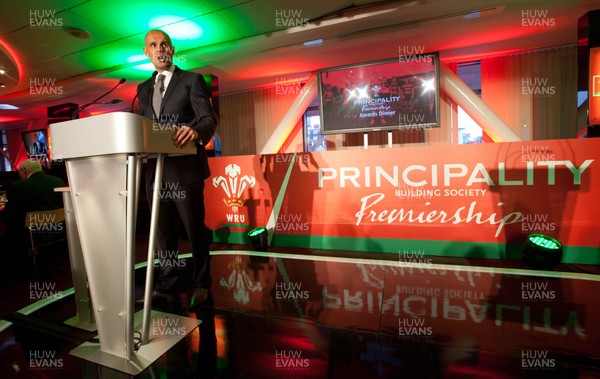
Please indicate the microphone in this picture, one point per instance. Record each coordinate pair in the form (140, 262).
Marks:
(113, 101)
(76, 113)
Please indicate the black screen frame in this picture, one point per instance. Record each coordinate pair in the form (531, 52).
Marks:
(29, 138)
(371, 66)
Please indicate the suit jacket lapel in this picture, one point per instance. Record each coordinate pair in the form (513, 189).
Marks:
(170, 88)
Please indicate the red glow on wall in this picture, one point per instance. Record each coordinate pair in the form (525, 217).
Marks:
(15, 58)
(9, 118)
(594, 90)
(282, 69)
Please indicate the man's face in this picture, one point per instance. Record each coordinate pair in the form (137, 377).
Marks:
(159, 49)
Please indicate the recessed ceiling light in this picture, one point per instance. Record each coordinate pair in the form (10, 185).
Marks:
(2, 72)
(7, 107)
(314, 42)
(2, 85)
(77, 32)
(176, 27)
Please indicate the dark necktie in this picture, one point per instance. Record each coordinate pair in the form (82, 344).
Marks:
(157, 96)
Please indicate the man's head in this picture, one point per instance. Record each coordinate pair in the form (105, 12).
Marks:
(26, 168)
(158, 47)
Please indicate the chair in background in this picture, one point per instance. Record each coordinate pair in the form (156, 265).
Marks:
(47, 234)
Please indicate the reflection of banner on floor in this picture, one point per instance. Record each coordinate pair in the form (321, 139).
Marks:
(446, 200)
(500, 312)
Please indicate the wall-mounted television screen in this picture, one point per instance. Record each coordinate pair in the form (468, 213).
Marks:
(400, 93)
(36, 143)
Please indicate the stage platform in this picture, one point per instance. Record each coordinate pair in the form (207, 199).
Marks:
(294, 313)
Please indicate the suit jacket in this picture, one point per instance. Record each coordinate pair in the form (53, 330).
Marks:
(35, 193)
(186, 102)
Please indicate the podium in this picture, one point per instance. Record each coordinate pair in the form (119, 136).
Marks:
(103, 156)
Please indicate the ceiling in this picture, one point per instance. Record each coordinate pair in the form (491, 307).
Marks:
(58, 51)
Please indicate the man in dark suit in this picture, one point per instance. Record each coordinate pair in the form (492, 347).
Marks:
(178, 102)
(34, 192)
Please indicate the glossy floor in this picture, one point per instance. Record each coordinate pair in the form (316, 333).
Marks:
(285, 315)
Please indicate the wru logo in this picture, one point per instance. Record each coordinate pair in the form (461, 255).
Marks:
(234, 185)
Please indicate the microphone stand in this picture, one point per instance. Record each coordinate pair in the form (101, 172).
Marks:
(133, 102)
(137, 94)
(76, 113)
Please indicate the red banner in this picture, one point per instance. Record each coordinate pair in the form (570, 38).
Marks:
(446, 200)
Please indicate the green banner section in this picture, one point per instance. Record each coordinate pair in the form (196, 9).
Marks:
(571, 254)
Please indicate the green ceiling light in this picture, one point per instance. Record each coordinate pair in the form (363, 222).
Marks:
(176, 27)
(108, 55)
(145, 64)
(542, 252)
(259, 238)
(145, 67)
(137, 58)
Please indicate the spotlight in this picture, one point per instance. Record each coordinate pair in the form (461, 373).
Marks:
(259, 238)
(542, 251)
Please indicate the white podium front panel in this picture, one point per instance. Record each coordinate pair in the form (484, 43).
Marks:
(103, 156)
(112, 133)
(99, 198)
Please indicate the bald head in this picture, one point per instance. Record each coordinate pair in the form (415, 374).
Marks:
(26, 168)
(158, 47)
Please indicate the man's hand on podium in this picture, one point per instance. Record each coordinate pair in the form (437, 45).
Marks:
(184, 135)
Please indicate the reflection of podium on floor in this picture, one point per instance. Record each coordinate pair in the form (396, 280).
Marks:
(103, 156)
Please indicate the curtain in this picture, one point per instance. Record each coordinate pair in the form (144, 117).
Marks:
(534, 93)
(249, 118)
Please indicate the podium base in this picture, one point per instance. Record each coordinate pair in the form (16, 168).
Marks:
(166, 330)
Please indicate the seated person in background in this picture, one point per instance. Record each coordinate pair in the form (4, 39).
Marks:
(34, 192)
